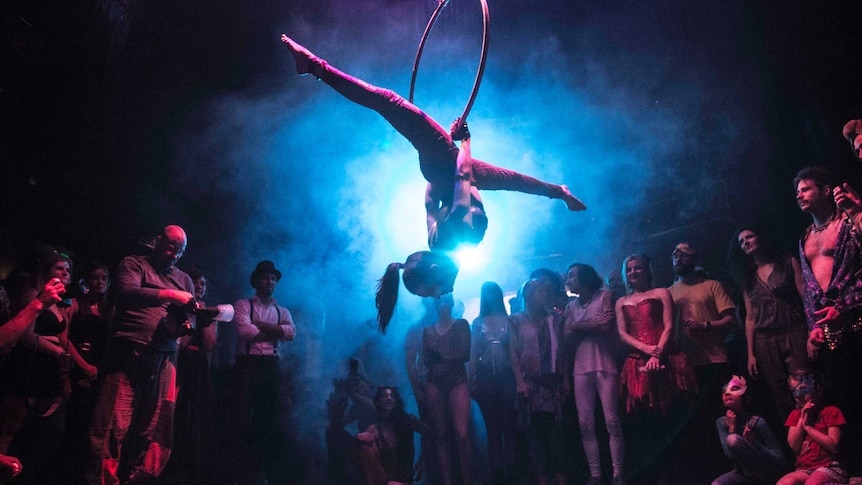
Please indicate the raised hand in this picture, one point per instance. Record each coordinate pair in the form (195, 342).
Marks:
(846, 198)
(459, 130)
(51, 293)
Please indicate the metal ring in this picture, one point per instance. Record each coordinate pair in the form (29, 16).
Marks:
(486, 22)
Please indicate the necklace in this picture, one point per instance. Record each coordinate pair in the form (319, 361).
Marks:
(816, 228)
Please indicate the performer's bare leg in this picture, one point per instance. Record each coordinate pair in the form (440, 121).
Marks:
(425, 134)
(491, 177)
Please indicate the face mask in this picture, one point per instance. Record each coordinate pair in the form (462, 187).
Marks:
(805, 386)
(736, 387)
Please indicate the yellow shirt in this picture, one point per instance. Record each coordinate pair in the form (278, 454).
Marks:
(702, 301)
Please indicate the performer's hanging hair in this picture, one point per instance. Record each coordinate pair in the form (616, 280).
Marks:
(426, 273)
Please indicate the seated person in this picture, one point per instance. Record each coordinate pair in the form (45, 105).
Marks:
(814, 435)
(386, 448)
(747, 440)
(349, 402)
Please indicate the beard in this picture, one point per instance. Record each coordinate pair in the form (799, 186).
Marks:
(683, 270)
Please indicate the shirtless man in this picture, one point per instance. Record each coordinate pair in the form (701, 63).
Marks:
(831, 261)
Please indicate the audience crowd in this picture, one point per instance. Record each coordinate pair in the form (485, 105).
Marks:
(115, 377)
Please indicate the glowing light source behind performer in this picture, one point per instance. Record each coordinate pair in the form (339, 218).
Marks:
(455, 214)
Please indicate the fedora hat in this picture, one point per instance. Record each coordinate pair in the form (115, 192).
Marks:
(263, 267)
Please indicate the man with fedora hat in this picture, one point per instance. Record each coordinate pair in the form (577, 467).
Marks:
(255, 400)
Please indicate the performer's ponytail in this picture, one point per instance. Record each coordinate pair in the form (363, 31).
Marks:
(387, 295)
(425, 274)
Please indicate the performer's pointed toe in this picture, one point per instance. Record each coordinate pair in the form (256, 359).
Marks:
(572, 202)
(306, 62)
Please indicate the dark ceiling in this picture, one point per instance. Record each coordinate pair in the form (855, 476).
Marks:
(99, 102)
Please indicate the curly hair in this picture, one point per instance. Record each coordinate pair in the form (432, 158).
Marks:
(820, 175)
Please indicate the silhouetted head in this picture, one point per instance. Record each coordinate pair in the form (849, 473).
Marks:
(557, 289)
(199, 280)
(582, 278)
(491, 299)
(538, 295)
(614, 282)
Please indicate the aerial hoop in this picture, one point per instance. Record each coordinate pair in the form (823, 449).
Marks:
(486, 21)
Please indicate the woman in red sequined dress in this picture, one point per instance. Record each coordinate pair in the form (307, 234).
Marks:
(654, 373)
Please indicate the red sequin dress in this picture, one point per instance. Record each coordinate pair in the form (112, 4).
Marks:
(655, 389)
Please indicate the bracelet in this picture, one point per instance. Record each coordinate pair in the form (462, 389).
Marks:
(708, 325)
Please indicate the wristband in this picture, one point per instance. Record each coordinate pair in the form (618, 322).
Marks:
(708, 325)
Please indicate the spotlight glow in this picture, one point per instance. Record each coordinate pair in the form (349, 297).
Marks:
(471, 259)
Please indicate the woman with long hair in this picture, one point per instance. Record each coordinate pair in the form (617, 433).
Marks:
(775, 329)
(446, 346)
(89, 331)
(590, 335)
(386, 448)
(91, 322)
(492, 382)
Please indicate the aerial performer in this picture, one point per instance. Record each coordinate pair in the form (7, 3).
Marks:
(454, 211)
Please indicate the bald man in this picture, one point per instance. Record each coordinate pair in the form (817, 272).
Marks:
(133, 423)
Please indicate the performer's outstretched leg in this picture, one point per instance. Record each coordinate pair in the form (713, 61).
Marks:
(490, 177)
(425, 134)
(437, 152)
